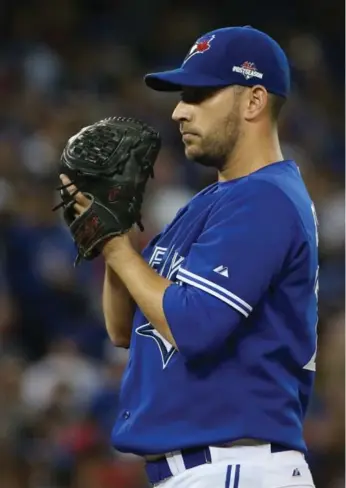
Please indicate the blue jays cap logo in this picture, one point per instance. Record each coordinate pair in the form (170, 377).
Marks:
(201, 46)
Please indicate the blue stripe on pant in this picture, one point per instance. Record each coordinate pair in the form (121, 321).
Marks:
(236, 476)
(228, 476)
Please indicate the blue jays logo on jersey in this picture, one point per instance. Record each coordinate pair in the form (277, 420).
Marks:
(167, 263)
(166, 349)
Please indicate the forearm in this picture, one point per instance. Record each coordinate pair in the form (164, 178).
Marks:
(118, 309)
(146, 287)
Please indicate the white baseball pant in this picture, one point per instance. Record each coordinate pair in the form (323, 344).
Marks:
(242, 467)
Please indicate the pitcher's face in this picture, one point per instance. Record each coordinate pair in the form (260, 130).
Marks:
(210, 124)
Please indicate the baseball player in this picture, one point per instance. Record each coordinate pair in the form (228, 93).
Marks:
(220, 311)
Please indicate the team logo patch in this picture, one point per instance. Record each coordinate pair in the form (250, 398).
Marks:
(166, 349)
(248, 70)
(201, 46)
(167, 264)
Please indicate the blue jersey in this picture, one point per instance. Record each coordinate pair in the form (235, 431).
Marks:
(243, 259)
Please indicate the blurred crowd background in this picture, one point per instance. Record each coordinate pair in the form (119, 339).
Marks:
(65, 64)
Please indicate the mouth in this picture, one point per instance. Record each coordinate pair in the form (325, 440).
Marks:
(188, 134)
(188, 137)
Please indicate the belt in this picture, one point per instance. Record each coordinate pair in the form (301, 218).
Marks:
(160, 470)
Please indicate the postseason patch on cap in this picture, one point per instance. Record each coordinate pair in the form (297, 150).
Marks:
(248, 70)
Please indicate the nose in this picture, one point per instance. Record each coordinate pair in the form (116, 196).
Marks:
(181, 113)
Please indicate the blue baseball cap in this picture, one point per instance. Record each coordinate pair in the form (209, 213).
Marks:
(229, 56)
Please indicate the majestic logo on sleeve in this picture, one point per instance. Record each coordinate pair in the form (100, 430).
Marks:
(166, 263)
(201, 46)
(248, 70)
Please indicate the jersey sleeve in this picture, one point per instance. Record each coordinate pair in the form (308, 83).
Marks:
(230, 267)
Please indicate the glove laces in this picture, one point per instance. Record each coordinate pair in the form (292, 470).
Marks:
(65, 200)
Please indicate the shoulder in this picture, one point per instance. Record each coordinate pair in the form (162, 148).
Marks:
(210, 189)
(257, 194)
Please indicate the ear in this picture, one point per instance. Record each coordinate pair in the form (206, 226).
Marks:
(257, 101)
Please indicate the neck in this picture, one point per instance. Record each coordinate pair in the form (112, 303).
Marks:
(252, 153)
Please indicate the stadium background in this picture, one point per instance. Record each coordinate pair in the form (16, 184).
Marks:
(64, 64)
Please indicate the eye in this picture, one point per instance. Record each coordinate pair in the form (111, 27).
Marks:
(197, 95)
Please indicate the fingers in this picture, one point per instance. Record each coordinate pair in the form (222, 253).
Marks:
(81, 199)
(82, 202)
(78, 208)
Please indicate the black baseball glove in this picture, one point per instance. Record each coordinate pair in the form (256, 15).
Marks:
(110, 163)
